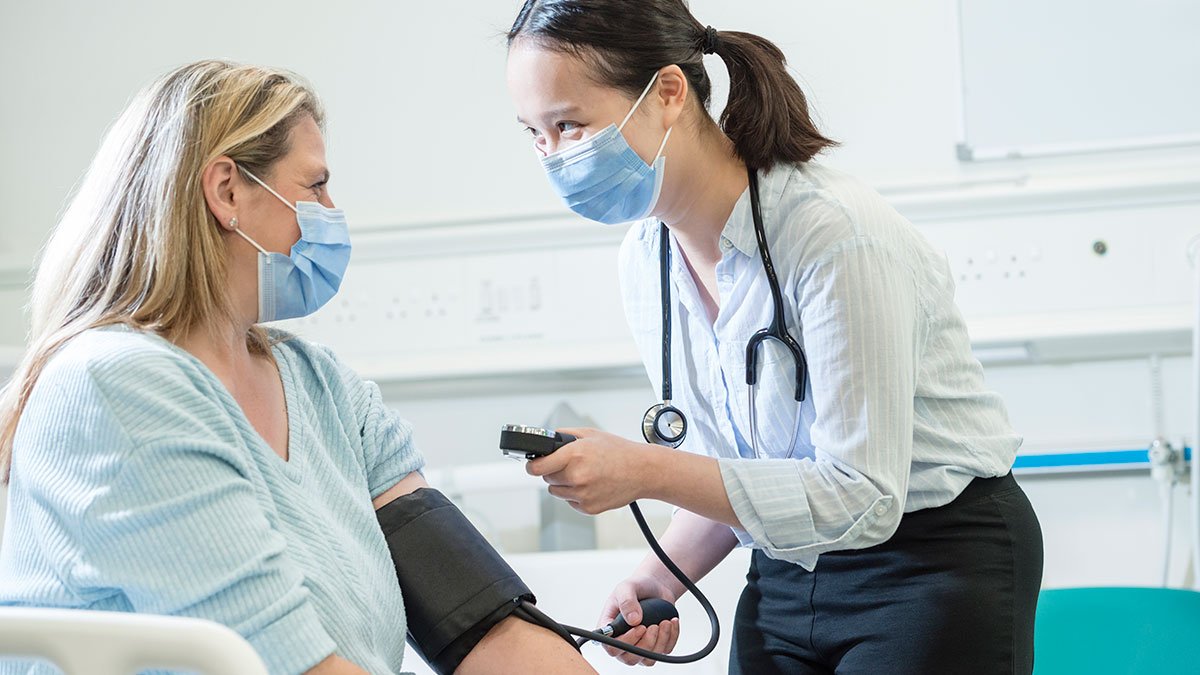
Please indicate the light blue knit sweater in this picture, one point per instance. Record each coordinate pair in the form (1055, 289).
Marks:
(138, 485)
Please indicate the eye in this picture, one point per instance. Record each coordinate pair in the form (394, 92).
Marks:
(318, 186)
(532, 132)
(567, 127)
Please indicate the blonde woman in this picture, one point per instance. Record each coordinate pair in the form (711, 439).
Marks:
(169, 455)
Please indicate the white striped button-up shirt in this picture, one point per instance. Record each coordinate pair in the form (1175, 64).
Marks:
(896, 417)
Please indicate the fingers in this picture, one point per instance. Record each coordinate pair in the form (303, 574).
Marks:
(642, 637)
(609, 612)
(627, 602)
(673, 634)
(552, 463)
(578, 432)
(650, 642)
(564, 493)
(624, 601)
(631, 637)
(667, 635)
(660, 638)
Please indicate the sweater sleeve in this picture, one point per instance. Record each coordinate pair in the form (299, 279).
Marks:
(388, 443)
(389, 451)
(158, 503)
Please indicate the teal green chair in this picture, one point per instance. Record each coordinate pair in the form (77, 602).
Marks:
(1111, 631)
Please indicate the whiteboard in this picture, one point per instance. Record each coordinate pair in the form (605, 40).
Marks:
(1061, 76)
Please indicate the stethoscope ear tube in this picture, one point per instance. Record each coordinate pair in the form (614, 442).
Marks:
(792, 346)
(652, 427)
(778, 329)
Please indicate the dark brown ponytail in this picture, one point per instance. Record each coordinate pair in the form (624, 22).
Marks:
(627, 41)
(766, 116)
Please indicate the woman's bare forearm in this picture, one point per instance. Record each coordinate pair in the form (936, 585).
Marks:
(410, 483)
(689, 481)
(335, 665)
(695, 544)
(517, 647)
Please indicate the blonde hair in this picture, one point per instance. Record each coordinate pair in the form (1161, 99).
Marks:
(137, 245)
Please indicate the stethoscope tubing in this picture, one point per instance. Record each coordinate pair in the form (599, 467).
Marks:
(777, 330)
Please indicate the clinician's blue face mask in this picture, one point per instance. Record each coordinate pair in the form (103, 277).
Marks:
(603, 179)
(298, 285)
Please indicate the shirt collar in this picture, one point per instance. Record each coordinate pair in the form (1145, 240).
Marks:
(739, 229)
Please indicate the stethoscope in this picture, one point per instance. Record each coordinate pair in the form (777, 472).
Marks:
(664, 424)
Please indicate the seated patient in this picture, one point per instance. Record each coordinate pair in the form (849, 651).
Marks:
(169, 455)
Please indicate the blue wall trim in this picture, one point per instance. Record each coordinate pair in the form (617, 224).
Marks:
(1087, 460)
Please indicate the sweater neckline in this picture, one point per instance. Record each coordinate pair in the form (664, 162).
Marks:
(292, 467)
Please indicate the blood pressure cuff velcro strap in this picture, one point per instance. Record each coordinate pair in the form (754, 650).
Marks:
(456, 587)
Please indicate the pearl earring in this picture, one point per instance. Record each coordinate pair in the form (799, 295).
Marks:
(233, 223)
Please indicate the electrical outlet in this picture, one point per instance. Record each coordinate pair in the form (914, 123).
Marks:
(1003, 266)
(503, 310)
(1062, 262)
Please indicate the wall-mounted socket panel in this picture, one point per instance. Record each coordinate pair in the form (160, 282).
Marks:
(465, 314)
(1072, 261)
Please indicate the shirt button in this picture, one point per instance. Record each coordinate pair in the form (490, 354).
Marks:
(880, 510)
(726, 244)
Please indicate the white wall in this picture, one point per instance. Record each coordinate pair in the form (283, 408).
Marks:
(420, 126)
(13, 324)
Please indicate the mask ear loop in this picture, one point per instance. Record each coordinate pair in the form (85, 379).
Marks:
(638, 102)
(268, 188)
(234, 224)
(663, 146)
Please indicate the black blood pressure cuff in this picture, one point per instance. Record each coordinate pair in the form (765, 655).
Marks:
(456, 587)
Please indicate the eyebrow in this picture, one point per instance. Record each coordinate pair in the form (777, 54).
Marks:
(554, 112)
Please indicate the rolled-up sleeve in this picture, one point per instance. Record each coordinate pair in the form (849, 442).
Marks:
(858, 306)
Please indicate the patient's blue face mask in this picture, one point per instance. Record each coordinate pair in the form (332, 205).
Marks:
(298, 285)
(603, 179)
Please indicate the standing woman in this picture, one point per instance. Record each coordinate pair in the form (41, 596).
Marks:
(814, 367)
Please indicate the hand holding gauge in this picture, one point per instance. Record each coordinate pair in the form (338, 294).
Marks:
(527, 442)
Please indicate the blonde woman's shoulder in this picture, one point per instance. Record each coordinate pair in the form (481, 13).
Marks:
(118, 351)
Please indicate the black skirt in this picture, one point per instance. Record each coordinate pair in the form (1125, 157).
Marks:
(954, 590)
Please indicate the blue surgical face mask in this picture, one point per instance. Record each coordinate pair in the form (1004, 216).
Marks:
(293, 286)
(603, 179)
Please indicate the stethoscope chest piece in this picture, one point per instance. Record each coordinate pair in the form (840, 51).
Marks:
(664, 424)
